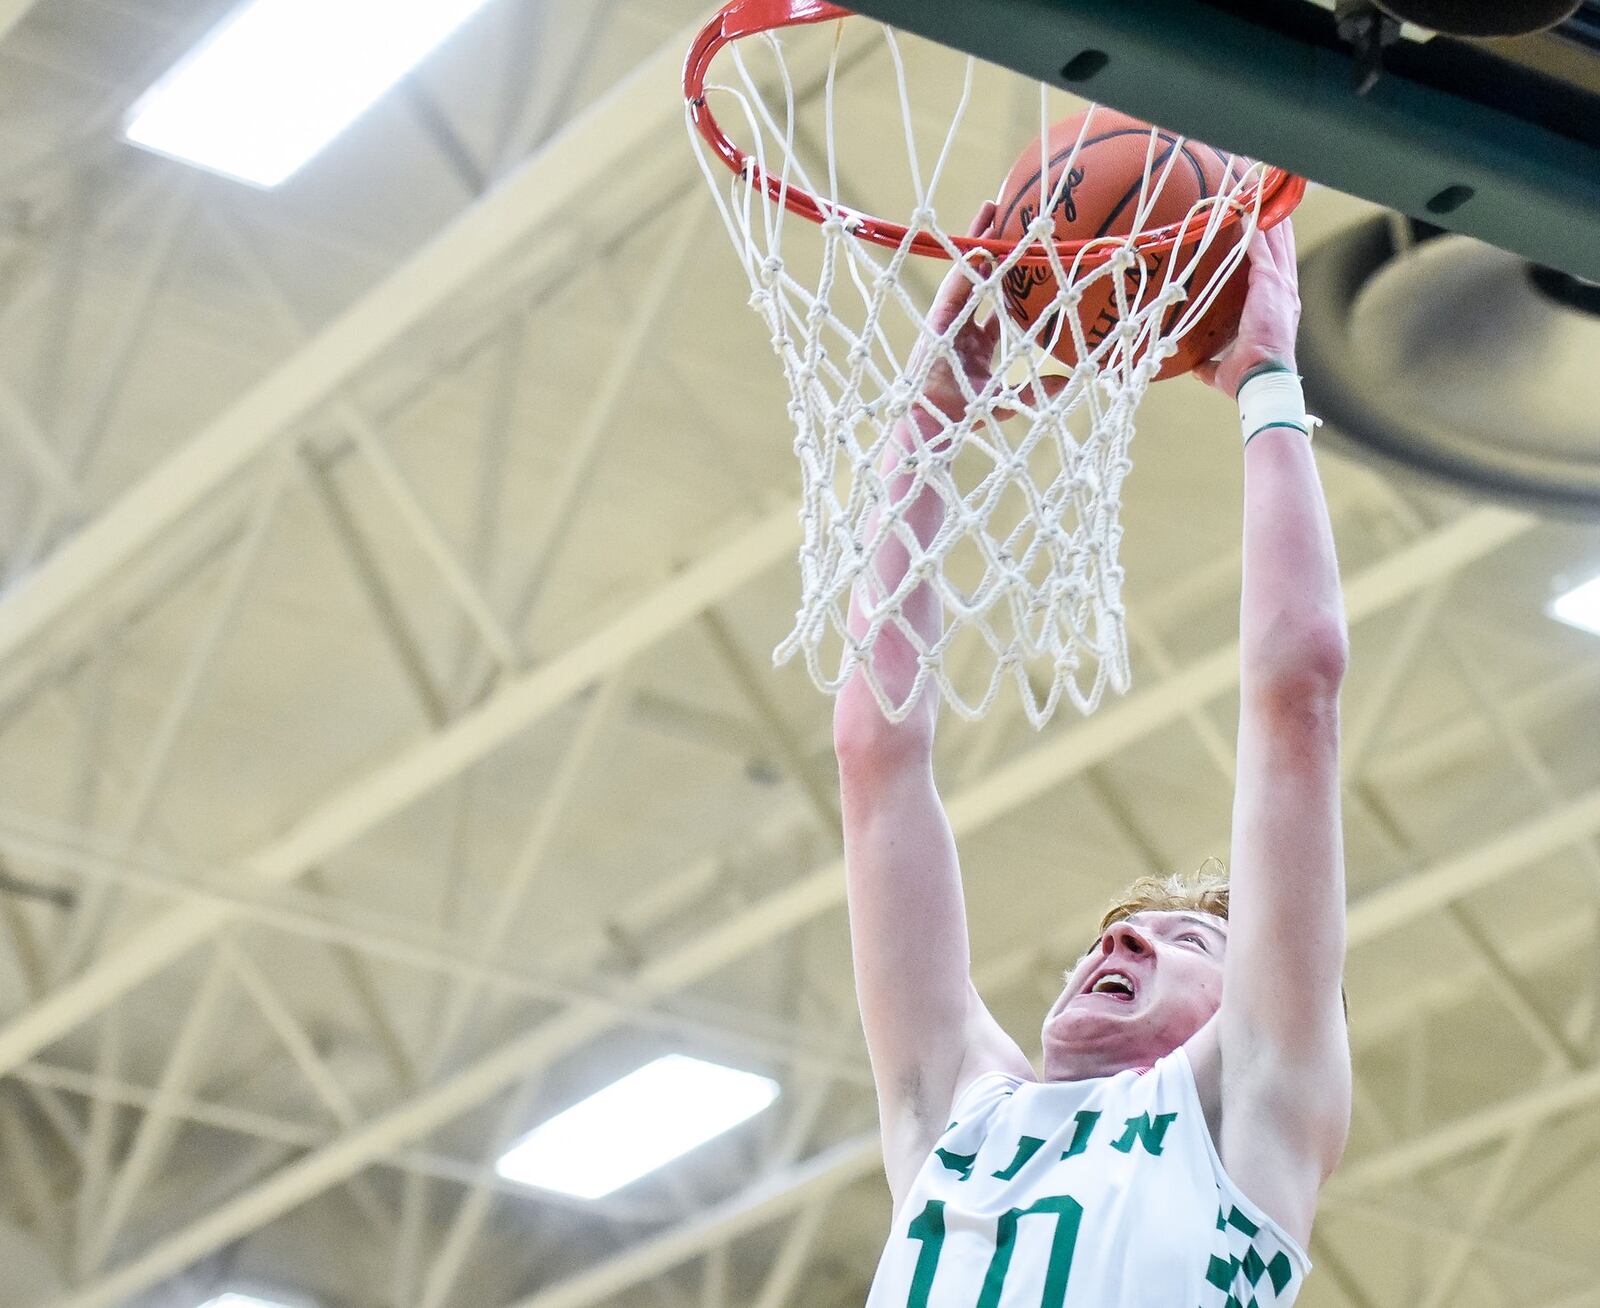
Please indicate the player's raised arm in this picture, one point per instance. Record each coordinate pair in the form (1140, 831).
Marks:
(1285, 1050)
(923, 1020)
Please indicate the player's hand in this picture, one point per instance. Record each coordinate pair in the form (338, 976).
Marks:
(973, 345)
(1271, 313)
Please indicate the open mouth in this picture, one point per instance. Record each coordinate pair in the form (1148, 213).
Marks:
(1113, 985)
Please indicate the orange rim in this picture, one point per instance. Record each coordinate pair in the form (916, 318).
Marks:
(1281, 190)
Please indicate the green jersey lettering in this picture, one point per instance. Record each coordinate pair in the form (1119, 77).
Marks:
(1027, 1147)
(1149, 1134)
(928, 1227)
(1081, 1132)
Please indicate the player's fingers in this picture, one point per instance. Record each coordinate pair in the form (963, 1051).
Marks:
(1037, 396)
(1283, 249)
(1263, 253)
(961, 280)
(1258, 259)
(1053, 386)
(1291, 260)
(954, 292)
(982, 219)
(987, 335)
(1206, 372)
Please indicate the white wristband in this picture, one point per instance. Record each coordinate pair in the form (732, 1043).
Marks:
(1273, 399)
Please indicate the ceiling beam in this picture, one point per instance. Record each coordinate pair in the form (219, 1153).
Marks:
(1555, 1097)
(1396, 1216)
(403, 779)
(299, 1135)
(1454, 878)
(645, 104)
(315, 917)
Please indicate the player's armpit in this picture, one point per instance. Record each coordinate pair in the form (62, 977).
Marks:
(912, 1121)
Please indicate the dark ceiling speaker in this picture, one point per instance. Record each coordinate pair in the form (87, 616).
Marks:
(1481, 17)
(1442, 354)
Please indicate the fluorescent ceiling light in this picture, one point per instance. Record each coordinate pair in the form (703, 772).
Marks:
(1580, 606)
(633, 1126)
(278, 79)
(233, 1299)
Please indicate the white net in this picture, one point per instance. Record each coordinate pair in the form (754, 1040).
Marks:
(1026, 471)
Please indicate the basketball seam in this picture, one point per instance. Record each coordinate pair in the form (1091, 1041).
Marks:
(1137, 187)
(1063, 155)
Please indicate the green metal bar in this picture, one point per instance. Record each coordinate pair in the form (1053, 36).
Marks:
(1247, 87)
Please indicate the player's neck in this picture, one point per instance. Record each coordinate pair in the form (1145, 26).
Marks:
(1095, 1065)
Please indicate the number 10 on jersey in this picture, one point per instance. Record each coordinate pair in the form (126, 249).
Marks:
(928, 1227)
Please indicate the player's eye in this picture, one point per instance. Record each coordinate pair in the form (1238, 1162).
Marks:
(1199, 940)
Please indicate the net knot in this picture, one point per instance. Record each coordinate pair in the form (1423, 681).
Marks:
(897, 399)
(771, 266)
(922, 218)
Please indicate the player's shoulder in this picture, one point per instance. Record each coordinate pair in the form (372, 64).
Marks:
(986, 1047)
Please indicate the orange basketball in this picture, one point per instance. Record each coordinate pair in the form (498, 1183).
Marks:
(1101, 198)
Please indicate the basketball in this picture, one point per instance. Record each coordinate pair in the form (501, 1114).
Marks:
(1101, 198)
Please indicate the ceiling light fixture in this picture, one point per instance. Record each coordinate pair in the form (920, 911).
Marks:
(1580, 606)
(277, 80)
(651, 1116)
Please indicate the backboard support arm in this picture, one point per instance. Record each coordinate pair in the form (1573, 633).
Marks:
(1271, 80)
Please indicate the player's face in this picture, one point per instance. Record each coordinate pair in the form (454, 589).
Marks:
(1147, 985)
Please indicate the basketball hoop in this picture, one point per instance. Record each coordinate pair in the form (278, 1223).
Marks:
(1025, 564)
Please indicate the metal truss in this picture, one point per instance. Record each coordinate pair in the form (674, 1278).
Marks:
(632, 114)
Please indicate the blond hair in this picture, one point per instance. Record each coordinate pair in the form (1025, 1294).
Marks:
(1205, 890)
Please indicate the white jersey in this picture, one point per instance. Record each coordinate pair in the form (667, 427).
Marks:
(1105, 1193)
